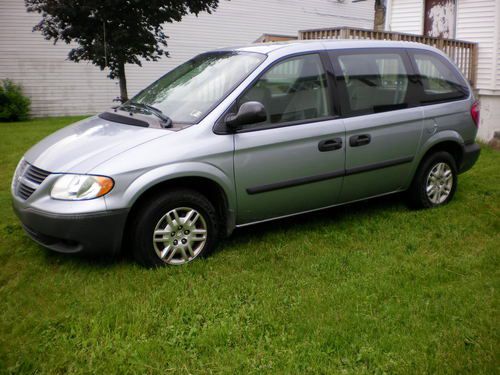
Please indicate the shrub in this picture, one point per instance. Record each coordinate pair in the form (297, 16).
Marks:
(14, 106)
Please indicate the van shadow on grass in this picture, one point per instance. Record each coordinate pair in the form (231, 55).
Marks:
(241, 236)
(95, 261)
(303, 222)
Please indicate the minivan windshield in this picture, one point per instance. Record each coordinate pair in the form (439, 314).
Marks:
(187, 93)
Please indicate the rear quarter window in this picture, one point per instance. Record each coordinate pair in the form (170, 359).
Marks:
(439, 79)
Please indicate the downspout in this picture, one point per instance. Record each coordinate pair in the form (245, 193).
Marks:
(380, 12)
(388, 15)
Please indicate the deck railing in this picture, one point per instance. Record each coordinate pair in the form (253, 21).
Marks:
(463, 53)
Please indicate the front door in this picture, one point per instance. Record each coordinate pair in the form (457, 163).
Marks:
(382, 120)
(294, 161)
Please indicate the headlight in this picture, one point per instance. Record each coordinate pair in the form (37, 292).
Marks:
(21, 166)
(79, 187)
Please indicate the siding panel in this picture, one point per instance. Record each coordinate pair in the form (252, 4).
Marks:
(407, 16)
(477, 21)
(497, 73)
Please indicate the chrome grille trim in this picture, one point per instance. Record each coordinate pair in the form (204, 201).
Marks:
(24, 191)
(29, 180)
(35, 174)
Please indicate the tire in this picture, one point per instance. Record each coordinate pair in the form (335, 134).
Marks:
(438, 173)
(159, 237)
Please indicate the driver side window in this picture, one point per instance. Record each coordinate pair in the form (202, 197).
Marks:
(292, 90)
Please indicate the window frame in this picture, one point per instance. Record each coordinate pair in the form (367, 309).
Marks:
(426, 99)
(411, 93)
(331, 92)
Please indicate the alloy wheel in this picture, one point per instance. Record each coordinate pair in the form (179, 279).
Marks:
(180, 235)
(439, 183)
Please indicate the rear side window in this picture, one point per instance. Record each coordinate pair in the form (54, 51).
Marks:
(373, 82)
(293, 90)
(440, 81)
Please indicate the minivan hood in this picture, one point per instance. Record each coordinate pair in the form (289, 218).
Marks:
(80, 147)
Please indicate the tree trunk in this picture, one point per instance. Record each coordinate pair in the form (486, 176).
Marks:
(123, 83)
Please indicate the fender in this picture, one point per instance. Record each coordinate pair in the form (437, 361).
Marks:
(442, 136)
(177, 170)
(168, 172)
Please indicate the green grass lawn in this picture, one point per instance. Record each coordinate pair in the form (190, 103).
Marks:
(366, 288)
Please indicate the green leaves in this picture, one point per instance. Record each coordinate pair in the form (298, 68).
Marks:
(14, 106)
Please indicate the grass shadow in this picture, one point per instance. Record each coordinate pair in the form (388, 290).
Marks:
(89, 260)
(243, 235)
(326, 216)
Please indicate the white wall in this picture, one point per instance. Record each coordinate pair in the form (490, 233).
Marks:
(60, 87)
(490, 117)
(405, 16)
(479, 21)
(55, 86)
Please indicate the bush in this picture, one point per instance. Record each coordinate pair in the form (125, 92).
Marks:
(14, 106)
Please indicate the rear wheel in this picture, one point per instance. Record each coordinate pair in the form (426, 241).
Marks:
(435, 182)
(174, 228)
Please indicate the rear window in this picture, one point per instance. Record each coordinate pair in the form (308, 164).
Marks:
(374, 82)
(440, 81)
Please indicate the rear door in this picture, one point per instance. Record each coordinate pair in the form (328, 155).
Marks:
(382, 119)
(294, 161)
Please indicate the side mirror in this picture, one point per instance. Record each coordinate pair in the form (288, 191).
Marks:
(249, 113)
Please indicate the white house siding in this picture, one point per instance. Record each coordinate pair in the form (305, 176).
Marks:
(479, 21)
(405, 16)
(476, 21)
(60, 87)
(55, 86)
(498, 48)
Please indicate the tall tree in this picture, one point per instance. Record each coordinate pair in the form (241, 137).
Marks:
(112, 33)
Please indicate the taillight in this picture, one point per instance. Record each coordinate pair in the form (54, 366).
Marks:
(474, 112)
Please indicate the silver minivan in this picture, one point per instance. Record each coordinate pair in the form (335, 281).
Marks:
(244, 135)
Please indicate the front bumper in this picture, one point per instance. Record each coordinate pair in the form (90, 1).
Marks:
(469, 157)
(86, 233)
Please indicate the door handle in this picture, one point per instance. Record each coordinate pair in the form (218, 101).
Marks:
(330, 144)
(359, 140)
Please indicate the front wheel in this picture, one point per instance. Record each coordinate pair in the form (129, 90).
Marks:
(435, 182)
(174, 229)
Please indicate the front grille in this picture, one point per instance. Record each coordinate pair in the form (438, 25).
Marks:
(28, 180)
(35, 174)
(24, 191)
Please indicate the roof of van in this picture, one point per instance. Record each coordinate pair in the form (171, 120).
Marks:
(324, 43)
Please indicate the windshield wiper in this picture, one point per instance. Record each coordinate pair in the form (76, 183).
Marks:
(166, 121)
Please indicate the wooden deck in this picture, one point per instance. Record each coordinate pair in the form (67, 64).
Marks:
(463, 53)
